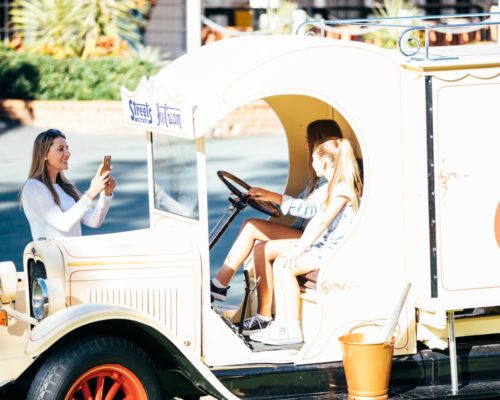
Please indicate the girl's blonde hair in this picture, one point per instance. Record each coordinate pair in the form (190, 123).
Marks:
(38, 169)
(345, 168)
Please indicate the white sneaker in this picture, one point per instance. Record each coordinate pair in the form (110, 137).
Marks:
(278, 333)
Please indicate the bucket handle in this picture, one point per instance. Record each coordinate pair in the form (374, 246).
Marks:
(373, 323)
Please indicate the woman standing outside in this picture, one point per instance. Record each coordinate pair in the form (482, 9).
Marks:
(334, 159)
(52, 204)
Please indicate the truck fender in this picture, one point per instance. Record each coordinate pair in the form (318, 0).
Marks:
(63, 322)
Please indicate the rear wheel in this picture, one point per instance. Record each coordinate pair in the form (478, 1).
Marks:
(97, 368)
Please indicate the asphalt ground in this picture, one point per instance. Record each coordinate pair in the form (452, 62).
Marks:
(259, 160)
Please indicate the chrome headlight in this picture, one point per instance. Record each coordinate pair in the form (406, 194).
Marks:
(40, 299)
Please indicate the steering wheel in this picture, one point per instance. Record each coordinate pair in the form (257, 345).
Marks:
(263, 206)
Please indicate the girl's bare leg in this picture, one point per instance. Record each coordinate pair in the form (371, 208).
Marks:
(264, 253)
(286, 287)
(253, 229)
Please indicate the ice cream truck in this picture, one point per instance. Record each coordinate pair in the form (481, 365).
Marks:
(129, 314)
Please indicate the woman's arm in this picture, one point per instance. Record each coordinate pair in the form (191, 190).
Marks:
(38, 200)
(94, 217)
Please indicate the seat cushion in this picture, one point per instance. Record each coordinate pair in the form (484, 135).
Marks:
(308, 281)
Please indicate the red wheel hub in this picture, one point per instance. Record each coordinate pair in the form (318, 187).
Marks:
(107, 382)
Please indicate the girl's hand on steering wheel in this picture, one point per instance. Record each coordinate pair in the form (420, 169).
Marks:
(261, 194)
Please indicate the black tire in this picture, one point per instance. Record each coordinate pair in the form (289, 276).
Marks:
(62, 369)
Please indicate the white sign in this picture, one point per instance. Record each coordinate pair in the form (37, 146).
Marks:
(154, 110)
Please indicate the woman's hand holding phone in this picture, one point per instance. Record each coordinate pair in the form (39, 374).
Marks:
(102, 180)
(111, 183)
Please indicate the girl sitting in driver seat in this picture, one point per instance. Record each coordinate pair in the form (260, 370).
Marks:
(304, 207)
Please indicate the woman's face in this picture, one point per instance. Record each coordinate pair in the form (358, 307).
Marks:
(58, 155)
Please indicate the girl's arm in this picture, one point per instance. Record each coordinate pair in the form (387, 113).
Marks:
(304, 206)
(258, 193)
(320, 222)
(37, 198)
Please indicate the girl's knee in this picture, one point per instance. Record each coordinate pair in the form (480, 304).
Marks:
(250, 224)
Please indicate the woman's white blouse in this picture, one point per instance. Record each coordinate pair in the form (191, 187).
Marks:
(48, 220)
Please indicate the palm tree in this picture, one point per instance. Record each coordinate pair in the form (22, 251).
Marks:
(388, 37)
(67, 28)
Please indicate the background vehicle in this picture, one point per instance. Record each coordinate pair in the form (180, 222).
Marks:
(135, 306)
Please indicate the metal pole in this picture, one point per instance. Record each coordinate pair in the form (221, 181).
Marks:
(193, 24)
(453, 352)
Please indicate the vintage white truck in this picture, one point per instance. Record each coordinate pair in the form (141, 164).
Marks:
(128, 315)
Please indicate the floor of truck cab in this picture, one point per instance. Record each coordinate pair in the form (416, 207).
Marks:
(253, 345)
(258, 346)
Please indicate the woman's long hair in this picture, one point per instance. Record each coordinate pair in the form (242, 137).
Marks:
(317, 131)
(345, 168)
(38, 169)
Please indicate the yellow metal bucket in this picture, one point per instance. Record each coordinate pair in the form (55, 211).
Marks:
(367, 366)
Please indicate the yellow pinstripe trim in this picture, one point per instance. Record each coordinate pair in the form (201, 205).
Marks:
(101, 263)
(441, 68)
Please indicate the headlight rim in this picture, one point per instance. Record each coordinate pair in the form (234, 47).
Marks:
(40, 283)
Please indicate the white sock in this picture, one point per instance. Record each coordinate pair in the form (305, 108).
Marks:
(216, 283)
(264, 318)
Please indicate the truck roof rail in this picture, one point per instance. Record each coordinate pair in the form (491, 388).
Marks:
(409, 25)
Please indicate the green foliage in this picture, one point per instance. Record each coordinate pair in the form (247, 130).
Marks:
(280, 20)
(91, 28)
(388, 37)
(19, 76)
(40, 77)
(150, 55)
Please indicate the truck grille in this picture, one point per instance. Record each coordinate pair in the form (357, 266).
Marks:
(160, 304)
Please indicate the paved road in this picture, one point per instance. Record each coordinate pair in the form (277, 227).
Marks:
(261, 160)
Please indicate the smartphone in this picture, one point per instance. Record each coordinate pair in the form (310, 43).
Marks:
(106, 164)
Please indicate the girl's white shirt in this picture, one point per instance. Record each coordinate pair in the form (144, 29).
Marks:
(341, 224)
(48, 220)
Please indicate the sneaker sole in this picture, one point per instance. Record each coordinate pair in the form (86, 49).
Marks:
(251, 332)
(278, 342)
(218, 296)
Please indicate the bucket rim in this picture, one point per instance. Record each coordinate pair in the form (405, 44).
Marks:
(345, 339)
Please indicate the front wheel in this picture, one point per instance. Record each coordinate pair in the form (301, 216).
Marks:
(97, 368)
